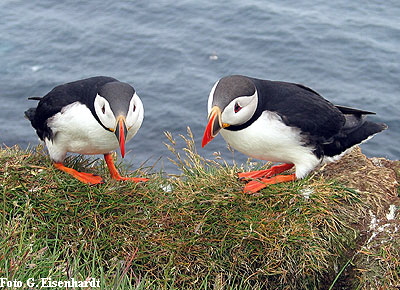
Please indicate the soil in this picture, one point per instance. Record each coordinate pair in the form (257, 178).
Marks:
(377, 180)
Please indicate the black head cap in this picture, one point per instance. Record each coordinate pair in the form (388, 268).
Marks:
(231, 87)
(118, 95)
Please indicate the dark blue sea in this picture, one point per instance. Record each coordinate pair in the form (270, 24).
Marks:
(172, 52)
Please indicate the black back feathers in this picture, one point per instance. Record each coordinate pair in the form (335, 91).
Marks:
(328, 128)
(83, 91)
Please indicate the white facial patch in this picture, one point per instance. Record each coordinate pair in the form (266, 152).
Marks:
(104, 112)
(135, 111)
(240, 110)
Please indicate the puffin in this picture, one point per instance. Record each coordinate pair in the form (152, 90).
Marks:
(284, 123)
(95, 115)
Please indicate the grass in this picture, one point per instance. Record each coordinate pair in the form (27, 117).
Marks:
(193, 231)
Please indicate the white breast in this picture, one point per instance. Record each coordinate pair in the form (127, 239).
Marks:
(268, 138)
(76, 130)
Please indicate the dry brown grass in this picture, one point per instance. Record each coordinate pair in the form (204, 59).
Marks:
(375, 263)
(198, 230)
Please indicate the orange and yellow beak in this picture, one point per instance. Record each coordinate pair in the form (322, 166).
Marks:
(214, 125)
(120, 132)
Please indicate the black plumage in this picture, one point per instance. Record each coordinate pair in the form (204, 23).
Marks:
(83, 91)
(90, 116)
(282, 122)
(330, 129)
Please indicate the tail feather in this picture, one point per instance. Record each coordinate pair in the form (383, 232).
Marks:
(35, 98)
(30, 114)
(355, 131)
(352, 111)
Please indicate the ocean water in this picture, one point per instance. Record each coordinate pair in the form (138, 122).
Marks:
(172, 52)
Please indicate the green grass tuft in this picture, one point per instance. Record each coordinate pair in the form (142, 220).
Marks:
(193, 231)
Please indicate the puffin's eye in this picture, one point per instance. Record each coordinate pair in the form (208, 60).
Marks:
(103, 109)
(237, 108)
(134, 108)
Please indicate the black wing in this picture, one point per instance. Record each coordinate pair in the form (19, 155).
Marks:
(331, 129)
(352, 111)
(301, 107)
(83, 91)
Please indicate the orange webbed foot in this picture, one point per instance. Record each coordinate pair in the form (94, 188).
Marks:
(115, 174)
(133, 179)
(87, 178)
(265, 173)
(256, 185)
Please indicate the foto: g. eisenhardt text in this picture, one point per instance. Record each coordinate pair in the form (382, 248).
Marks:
(49, 283)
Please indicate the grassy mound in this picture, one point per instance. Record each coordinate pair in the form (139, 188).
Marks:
(198, 230)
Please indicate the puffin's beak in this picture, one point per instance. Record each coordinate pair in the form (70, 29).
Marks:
(121, 132)
(214, 125)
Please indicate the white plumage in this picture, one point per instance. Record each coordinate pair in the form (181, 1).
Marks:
(90, 116)
(268, 138)
(76, 130)
(282, 122)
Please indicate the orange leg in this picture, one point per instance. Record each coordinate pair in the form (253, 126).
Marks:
(114, 172)
(256, 185)
(82, 176)
(265, 173)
